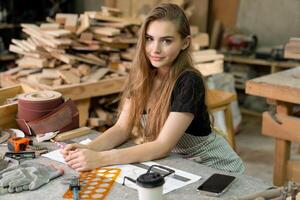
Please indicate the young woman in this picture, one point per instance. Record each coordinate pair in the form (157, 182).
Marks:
(163, 102)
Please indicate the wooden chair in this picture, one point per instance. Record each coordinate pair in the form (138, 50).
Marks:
(217, 100)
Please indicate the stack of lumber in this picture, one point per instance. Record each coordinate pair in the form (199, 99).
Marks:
(292, 49)
(208, 61)
(103, 112)
(72, 49)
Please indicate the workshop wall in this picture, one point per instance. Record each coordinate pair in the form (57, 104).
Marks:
(273, 21)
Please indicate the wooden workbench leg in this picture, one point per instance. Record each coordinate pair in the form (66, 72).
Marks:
(83, 106)
(282, 155)
(229, 127)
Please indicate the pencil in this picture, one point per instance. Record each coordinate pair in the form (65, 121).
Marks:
(58, 143)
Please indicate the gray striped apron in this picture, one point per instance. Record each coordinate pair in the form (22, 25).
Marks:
(212, 150)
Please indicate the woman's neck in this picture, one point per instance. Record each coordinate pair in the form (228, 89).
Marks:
(162, 73)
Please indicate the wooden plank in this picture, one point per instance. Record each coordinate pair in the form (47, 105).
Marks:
(87, 36)
(83, 106)
(208, 69)
(49, 26)
(50, 73)
(207, 58)
(18, 50)
(71, 22)
(66, 58)
(107, 31)
(58, 33)
(86, 60)
(9, 92)
(282, 152)
(40, 37)
(72, 134)
(92, 89)
(93, 57)
(8, 112)
(84, 69)
(100, 16)
(69, 76)
(200, 40)
(95, 76)
(8, 116)
(28, 62)
(84, 23)
(20, 45)
(68, 20)
(289, 128)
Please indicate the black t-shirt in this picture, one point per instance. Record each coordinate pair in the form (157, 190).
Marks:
(188, 95)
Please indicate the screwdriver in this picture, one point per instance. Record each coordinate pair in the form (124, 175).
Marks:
(75, 187)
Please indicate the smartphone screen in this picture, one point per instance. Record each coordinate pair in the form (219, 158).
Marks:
(217, 183)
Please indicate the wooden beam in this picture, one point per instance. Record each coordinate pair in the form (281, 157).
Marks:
(287, 129)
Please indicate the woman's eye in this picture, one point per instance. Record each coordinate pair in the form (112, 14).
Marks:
(166, 41)
(148, 39)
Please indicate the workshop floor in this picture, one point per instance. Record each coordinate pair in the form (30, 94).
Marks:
(257, 150)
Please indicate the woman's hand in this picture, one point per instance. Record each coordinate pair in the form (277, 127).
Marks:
(72, 147)
(83, 159)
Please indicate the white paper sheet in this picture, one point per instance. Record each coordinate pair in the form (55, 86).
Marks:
(57, 156)
(133, 171)
(171, 183)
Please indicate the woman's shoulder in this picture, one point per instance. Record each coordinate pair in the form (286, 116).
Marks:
(189, 76)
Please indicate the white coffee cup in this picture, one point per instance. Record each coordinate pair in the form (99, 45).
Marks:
(150, 186)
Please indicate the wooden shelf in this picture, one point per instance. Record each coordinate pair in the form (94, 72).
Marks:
(254, 61)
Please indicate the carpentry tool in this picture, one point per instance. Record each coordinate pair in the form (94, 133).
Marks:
(17, 144)
(74, 187)
(20, 155)
(46, 136)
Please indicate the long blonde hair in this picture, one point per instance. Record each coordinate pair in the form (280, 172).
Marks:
(140, 80)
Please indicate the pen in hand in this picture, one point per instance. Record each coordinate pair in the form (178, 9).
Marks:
(58, 143)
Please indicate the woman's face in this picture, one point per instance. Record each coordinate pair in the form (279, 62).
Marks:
(163, 43)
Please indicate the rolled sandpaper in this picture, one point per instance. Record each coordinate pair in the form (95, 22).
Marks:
(33, 105)
(41, 112)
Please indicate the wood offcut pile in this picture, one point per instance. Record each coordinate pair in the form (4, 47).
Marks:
(72, 49)
(292, 49)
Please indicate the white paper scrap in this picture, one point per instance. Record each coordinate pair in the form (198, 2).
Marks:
(171, 182)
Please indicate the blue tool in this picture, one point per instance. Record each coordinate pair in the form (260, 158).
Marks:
(75, 187)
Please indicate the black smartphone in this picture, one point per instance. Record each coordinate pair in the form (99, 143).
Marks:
(216, 184)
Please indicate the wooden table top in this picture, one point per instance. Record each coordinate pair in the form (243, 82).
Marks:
(282, 86)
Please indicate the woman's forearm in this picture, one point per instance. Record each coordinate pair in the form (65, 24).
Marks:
(138, 153)
(111, 138)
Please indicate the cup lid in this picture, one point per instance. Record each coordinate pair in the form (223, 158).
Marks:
(150, 180)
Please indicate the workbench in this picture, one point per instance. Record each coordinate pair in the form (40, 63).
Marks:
(55, 189)
(282, 90)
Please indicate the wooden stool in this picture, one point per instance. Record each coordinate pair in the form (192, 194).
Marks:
(217, 100)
